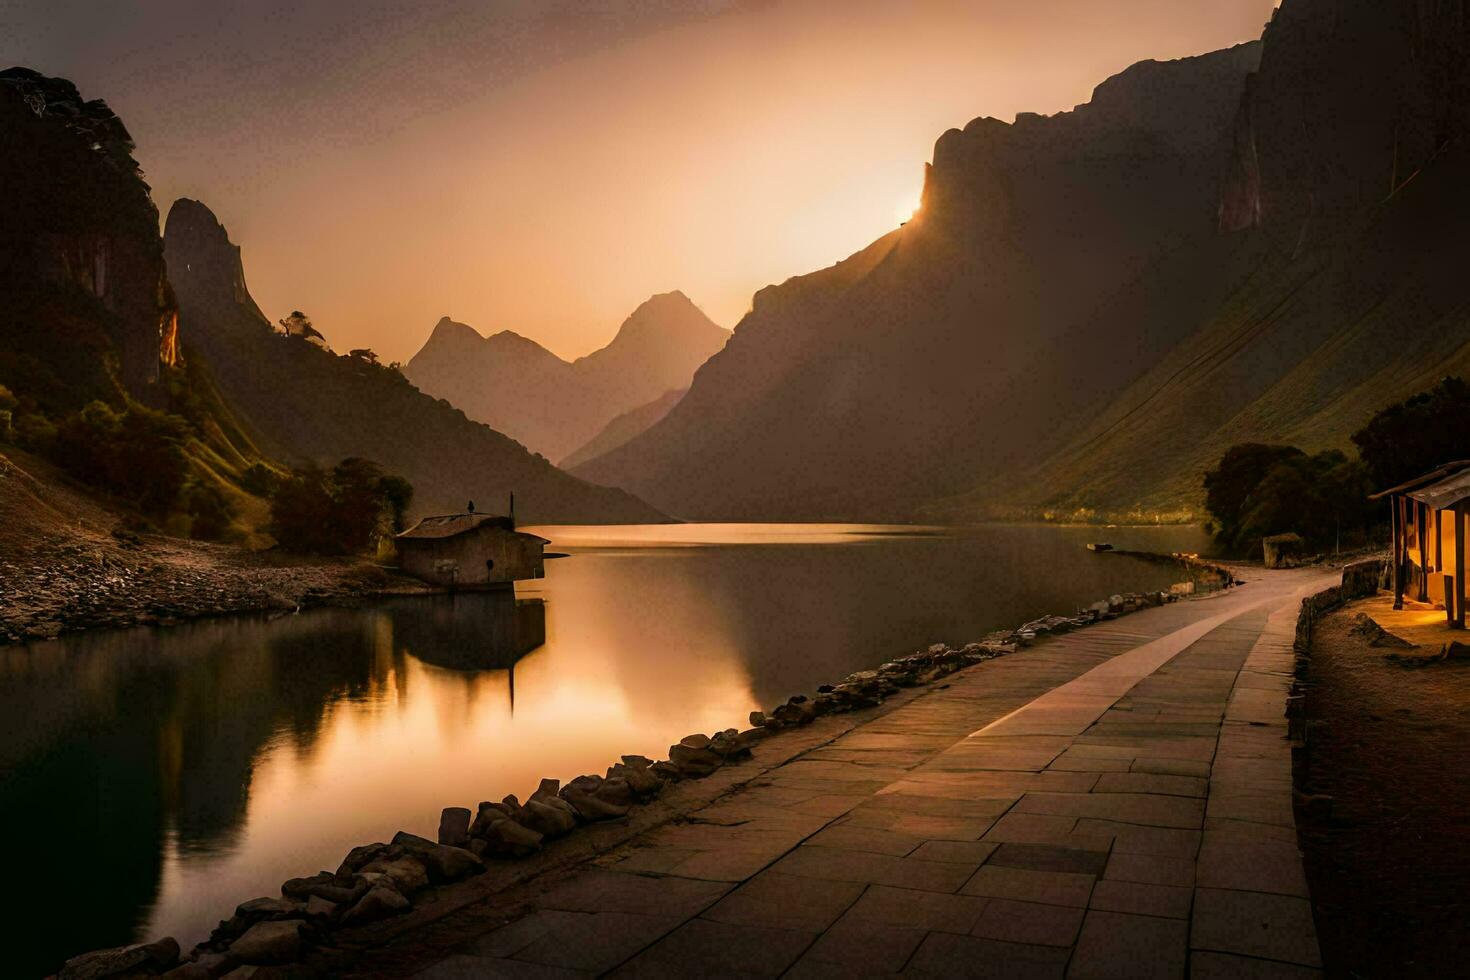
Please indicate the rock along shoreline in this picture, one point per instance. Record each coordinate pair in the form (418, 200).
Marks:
(378, 882)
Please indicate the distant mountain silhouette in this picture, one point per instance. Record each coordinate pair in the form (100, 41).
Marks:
(624, 427)
(868, 389)
(519, 387)
(1265, 243)
(307, 404)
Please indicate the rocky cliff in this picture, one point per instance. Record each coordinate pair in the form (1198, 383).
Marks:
(1347, 191)
(88, 306)
(869, 388)
(515, 385)
(308, 404)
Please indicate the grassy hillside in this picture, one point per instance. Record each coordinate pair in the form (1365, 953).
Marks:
(307, 404)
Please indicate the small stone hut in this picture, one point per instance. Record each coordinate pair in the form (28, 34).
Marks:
(471, 550)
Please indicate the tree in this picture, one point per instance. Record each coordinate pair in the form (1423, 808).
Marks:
(1229, 484)
(136, 454)
(341, 511)
(1418, 434)
(298, 324)
(1258, 491)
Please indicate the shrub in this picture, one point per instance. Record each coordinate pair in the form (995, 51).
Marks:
(136, 454)
(1258, 491)
(341, 511)
(1417, 435)
(210, 511)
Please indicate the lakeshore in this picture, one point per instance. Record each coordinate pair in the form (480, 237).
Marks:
(1114, 801)
(292, 738)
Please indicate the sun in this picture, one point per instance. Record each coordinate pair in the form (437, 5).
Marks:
(907, 208)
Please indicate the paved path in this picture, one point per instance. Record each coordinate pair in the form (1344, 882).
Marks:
(1111, 803)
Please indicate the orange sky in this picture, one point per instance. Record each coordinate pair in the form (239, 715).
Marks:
(546, 166)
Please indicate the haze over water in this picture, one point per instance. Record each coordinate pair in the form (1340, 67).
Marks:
(196, 767)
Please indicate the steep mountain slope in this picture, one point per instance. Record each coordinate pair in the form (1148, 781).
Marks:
(623, 428)
(87, 308)
(519, 387)
(1350, 178)
(867, 389)
(307, 404)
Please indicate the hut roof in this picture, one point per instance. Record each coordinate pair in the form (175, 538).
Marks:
(1445, 493)
(1434, 476)
(453, 525)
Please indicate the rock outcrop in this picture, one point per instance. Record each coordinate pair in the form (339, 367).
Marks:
(1262, 244)
(81, 265)
(307, 404)
(518, 387)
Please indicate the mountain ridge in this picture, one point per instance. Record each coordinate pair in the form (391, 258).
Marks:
(555, 406)
(309, 405)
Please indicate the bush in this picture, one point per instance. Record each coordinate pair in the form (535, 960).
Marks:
(338, 512)
(1417, 435)
(136, 454)
(1258, 491)
(210, 511)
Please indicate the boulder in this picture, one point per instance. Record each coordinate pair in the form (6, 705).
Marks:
(333, 888)
(379, 903)
(134, 959)
(729, 745)
(588, 806)
(408, 873)
(412, 843)
(547, 820)
(445, 863)
(507, 838)
(268, 908)
(454, 826)
(666, 771)
(266, 943)
(642, 782)
(694, 762)
(489, 815)
(360, 856)
(320, 909)
(615, 790)
(637, 761)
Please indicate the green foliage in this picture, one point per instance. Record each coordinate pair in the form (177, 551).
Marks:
(1417, 435)
(260, 480)
(1258, 491)
(1241, 470)
(341, 511)
(35, 432)
(136, 454)
(8, 403)
(210, 511)
(398, 493)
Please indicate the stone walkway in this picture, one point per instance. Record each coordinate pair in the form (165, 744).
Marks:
(1115, 802)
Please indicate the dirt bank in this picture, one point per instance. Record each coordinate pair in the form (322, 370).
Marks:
(1388, 862)
(63, 568)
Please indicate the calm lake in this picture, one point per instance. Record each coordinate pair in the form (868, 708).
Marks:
(153, 779)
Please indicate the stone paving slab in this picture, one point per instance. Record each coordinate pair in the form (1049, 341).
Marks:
(1115, 802)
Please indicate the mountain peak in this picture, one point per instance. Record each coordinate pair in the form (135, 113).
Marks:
(198, 251)
(670, 317)
(452, 331)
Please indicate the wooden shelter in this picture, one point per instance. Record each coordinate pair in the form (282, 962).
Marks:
(1430, 517)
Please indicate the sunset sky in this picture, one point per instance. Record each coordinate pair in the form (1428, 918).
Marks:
(546, 166)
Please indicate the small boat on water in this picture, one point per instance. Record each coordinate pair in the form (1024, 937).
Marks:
(1099, 546)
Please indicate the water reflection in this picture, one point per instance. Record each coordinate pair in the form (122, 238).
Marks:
(164, 776)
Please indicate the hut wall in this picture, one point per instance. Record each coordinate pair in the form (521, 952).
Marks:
(461, 560)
